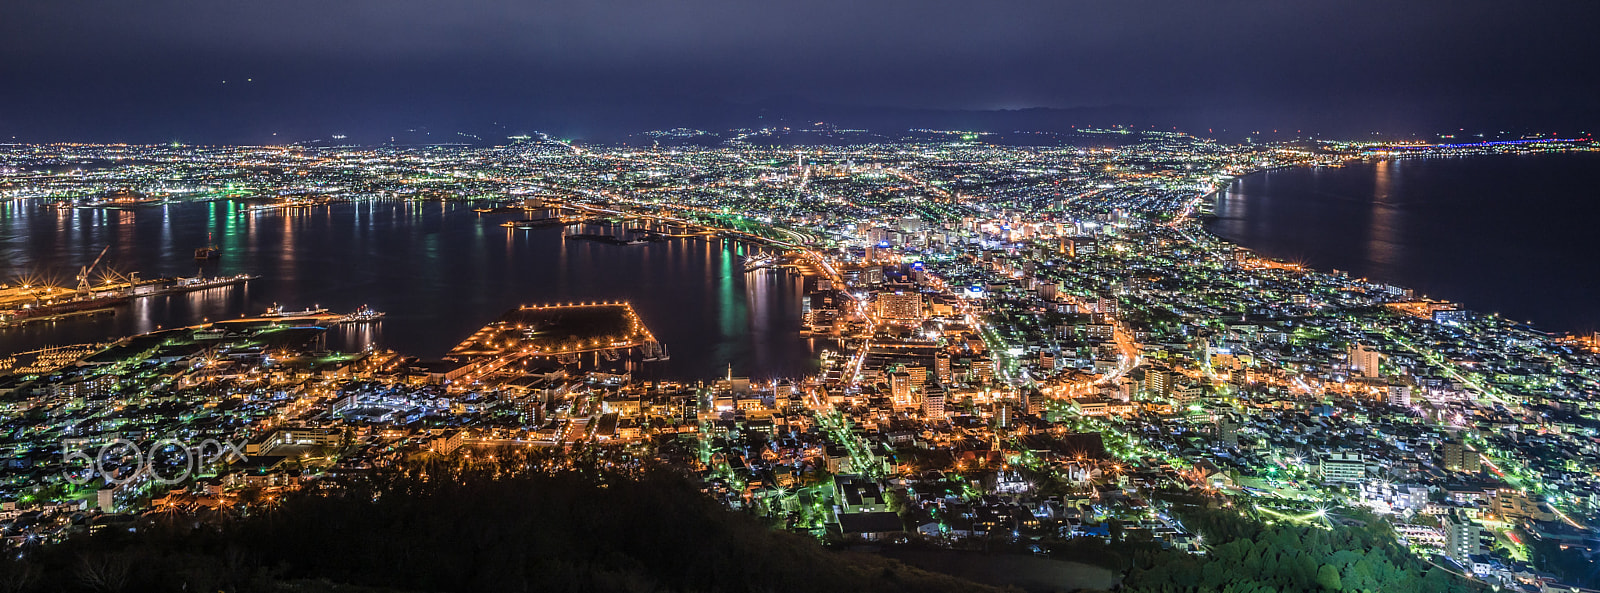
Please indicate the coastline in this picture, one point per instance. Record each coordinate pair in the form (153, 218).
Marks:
(1205, 217)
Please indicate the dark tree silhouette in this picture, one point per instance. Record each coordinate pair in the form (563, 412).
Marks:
(501, 523)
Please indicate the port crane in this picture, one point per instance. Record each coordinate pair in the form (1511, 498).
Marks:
(83, 275)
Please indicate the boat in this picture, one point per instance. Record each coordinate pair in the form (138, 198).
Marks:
(276, 310)
(76, 305)
(654, 351)
(24, 305)
(210, 251)
(363, 314)
(759, 262)
(120, 199)
(200, 282)
(108, 299)
(534, 223)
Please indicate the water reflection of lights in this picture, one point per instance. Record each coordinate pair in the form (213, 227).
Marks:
(359, 336)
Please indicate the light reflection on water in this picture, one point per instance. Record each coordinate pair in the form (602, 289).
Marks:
(1507, 234)
(433, 267)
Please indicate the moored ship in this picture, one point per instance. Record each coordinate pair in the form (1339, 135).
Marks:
(202, 283)
(363, 314)
(276, 311)
(75, 305)
(210, 251)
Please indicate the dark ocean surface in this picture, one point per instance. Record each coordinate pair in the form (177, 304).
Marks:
(1510, 234)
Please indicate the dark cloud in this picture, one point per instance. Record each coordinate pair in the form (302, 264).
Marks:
(135, 68)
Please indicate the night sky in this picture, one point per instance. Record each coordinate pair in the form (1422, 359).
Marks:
(242, 71)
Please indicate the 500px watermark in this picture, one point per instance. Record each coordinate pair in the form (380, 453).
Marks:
(168, 461)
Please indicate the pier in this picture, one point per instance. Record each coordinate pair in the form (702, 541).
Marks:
(565, 333)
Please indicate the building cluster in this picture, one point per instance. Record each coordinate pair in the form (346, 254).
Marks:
(1034, 342)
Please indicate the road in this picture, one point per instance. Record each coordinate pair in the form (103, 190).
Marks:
(1128, 355)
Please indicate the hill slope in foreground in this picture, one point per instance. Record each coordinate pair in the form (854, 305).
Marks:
(440, 529)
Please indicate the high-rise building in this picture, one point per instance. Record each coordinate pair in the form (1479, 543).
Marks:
(1228, 430)
(1365, 360)
(1157, 381)
(919, 375)
(983, 369)
(1344, 467)
(1452, 316)
(1459, 457)
(1081, 246)
(900, 306)
(941, 368)
(1399, 395)
(1108, 306)
(1047, 291)
(900, 389)
(1461, 538)
(1186, 391)
(933, 402)
(820, 309)
(911, 224)
(1033, 402)
(533, 410)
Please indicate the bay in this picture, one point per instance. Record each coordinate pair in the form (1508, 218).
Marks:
(1508, 234)
(438, 270)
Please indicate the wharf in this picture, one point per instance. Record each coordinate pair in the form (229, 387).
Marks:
(29, 304)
